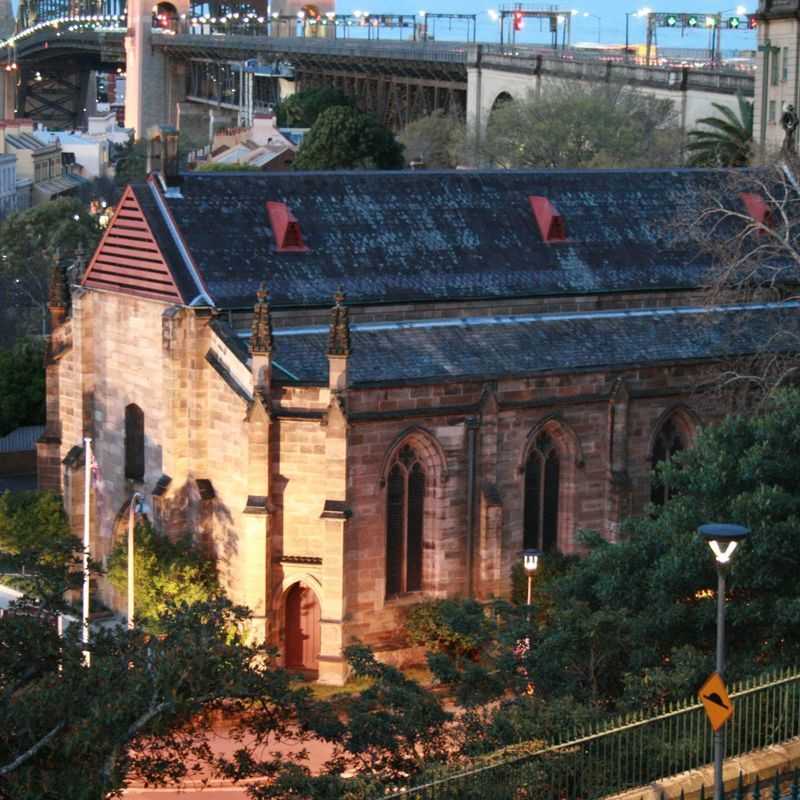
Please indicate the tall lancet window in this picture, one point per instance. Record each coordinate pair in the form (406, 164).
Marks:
(542, 477)
(405, 502)
(669, 440)
(134, 443)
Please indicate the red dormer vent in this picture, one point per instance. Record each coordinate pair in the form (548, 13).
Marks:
(550, 222)
(758, 208)
(285, 228)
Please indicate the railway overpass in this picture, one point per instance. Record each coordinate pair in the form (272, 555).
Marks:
(200, 64)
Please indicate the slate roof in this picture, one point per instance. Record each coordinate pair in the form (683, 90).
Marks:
(416, 236)
(494, 347)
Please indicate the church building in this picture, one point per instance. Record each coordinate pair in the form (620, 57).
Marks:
(360, 390)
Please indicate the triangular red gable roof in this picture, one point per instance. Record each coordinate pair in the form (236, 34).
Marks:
(128, 259)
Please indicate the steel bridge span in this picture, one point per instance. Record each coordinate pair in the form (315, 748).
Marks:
(396, 81)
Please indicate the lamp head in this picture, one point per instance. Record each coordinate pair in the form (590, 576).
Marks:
(723, 538)
(530, 560)
(140, 505)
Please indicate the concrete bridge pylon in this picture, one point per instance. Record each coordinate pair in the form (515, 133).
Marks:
(155, 83)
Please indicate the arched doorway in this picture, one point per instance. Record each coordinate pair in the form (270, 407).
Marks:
(302, 629)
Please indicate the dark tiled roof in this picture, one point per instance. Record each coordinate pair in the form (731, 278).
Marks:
(486, 348)
(404, 236)
(21, 439)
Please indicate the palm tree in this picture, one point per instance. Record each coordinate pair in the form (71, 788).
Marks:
(726, 140)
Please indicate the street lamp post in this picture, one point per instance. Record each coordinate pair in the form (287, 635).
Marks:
(530, 560)
(723, 540)
(642, 12)
(137, 505)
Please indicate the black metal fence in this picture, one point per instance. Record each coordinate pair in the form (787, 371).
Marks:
(626, 752)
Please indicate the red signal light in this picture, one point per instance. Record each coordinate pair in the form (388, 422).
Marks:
(752, 22)
(518, 21)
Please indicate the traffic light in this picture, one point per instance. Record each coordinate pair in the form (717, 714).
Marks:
(691, 21)
(752, 22)
(518, 21)
(734, 22)
(671, 21)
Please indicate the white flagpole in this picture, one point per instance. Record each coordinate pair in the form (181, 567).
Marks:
(87, 490)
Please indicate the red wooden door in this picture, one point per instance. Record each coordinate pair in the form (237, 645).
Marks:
(302, 628)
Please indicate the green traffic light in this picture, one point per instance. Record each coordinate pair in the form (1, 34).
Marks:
(733, 22)
(692, 22)
(672, 21)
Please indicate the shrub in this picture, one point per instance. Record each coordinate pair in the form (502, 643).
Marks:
(455, 628)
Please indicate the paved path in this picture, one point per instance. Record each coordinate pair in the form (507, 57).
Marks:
(223, 744)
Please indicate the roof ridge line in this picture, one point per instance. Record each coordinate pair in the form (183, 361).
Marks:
(172, 227)
(506, 319)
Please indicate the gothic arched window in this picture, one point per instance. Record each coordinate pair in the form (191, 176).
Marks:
(134, 443)
(669, 440)
(405, 500)
(542, 477)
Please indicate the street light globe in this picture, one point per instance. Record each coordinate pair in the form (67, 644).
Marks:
(723, 538)
(530, 560)
(741, 10)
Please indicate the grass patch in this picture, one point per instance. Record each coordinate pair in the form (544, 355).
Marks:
(321, 691)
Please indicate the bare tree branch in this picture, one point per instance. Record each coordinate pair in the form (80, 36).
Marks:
(32, 751)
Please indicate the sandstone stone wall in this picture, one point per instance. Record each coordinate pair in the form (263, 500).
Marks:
(321, 457)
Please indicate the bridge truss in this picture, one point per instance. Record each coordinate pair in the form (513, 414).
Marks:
(396, 84)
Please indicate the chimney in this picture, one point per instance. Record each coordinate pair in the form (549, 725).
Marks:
(263, 128)
(162, 154)
(261, 341)
(338, 344)
(153, 153)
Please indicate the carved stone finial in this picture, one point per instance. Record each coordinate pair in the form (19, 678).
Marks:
(261, 331)
(789, 123)
(339, 334)
(58, 295)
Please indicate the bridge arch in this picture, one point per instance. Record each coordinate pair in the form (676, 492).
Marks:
(165, 16)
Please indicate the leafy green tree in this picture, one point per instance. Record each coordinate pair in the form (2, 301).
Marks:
(435, 141)
(724, 140)
(635, 621)
(58, 233)
(394, 729)
(576, 125)
(166, 573)
(144, 707)
(22, 391)
(131, 160)
(35, 533)
(301, 109)
(343, 138)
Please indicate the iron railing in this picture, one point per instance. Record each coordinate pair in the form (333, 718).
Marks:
(625, 752)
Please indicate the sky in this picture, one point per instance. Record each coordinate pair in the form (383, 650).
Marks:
(585, 24)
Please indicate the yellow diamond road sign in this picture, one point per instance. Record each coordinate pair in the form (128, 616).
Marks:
(714, 696)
